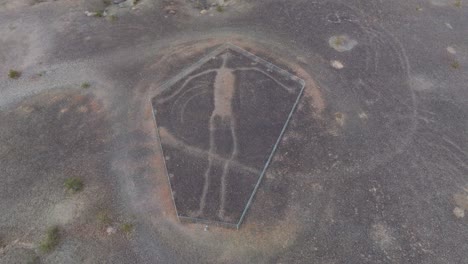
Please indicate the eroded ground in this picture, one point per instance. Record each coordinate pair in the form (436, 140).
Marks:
(372, 168)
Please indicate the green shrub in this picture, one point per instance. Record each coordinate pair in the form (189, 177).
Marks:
(339, 41)
(51, 240)
(455, 65)
(73, 184)
(13, 74)
(99, 13)
(127, 228)
(85, 85)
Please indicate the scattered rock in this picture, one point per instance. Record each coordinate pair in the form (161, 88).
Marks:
(203, 11)
(171, 11)
(96, 14)
(111, 230)
(170, 7)
(451, 50)
(363, 116)
(87, 13)
(459, 212)
(336, 64)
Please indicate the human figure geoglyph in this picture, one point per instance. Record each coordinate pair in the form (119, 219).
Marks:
(221, 115)
(222, 118)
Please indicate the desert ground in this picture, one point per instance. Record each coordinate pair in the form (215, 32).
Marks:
(372, 166)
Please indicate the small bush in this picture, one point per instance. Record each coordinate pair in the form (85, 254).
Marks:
(51, 240)
(85, 85)
(220, 9)
(99, 13)
(455, 65)
(127, 228)
(13, 74)
(339, 41)
(73, 184)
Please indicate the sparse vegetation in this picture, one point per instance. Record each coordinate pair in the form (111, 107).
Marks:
(85, 85)
(455, 65)
(219, 8)
(73, 184)
(51, 240)
(13, 74)
(99, 13)
(113, 17)
(127, 228)
(458, 3)
(104, 218)
(338, 41)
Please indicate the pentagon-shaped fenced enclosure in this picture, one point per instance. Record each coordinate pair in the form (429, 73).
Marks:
(219, 123)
